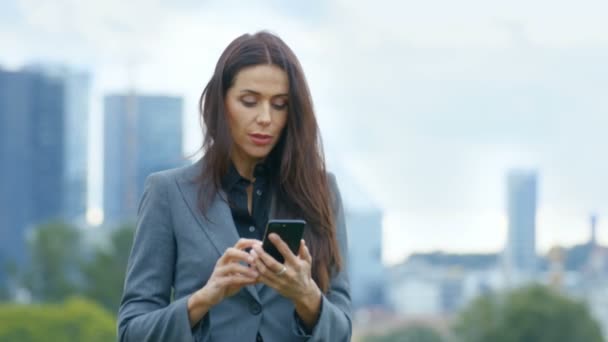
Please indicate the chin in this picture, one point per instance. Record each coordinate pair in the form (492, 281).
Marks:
(259, 153)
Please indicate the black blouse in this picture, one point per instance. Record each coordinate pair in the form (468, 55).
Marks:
(249, 225)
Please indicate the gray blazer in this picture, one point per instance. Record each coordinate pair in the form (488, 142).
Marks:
(176, 248)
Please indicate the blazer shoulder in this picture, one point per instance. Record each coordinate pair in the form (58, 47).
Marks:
(331, 177)
(332, 181)
(184, 173)
(334, 190)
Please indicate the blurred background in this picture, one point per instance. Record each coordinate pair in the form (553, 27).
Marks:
(466, 137)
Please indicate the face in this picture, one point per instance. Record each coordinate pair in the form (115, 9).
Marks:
(256, 106)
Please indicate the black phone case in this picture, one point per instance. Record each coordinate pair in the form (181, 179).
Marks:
(290, 231)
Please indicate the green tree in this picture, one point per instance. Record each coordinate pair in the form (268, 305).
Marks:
(415, 333)
(530, 314)
(8, 275)
(76, 319)
(54, 270)
(4, 293)
(105, 274)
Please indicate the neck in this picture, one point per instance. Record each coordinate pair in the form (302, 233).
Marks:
(244, 166)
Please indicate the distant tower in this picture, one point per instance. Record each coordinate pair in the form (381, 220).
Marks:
(556, 257)
(32, 163)
(366, 270)
(142, 135)
(76, 85)
(520, 251)
(593, 240)
(596, 261)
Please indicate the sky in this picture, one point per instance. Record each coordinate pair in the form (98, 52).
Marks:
(423, 106)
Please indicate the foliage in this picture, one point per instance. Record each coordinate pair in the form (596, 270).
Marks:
(4, 292)
(105, 274)
(55, 262)
(415, 333)
(529, 314)
(76, 319)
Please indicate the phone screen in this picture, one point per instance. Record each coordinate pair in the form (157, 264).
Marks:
(290, 231)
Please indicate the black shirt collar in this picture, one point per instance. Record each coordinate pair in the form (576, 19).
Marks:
(232, 177)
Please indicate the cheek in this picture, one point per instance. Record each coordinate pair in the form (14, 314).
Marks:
(234, 119)
(283, 126)
(282, 121)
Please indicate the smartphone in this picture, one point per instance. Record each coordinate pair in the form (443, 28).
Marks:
(290, 231)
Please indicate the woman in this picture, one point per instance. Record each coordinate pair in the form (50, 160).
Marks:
(197, 271)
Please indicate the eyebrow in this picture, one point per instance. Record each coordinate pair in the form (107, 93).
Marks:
(258, 93)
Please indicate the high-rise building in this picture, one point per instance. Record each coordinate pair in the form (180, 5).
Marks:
(593, 237)
(76, 98)
(366, 271)
(520, 252)
(31, 157)
(142, 135)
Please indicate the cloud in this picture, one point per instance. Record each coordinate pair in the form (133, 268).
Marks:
(424, 106)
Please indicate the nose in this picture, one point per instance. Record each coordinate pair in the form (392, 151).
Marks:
(263, 117)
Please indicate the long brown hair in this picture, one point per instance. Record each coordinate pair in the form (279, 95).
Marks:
(297, 161)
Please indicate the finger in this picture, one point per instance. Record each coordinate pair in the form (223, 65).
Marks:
(255, 257)
(246, 243)
(234, 254)
(238, 280)
(268, 281)
(267, 259)
(307, 255)
(283, 248)
(260, 267)
(254, 254)
(266, 272)
(271, 280)
(301, 250)
(234, 268)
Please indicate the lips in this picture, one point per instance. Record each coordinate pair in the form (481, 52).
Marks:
(260, 139)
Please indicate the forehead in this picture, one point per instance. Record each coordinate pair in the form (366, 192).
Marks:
(266, 79)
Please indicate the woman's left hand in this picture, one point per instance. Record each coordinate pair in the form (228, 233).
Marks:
(293, 278)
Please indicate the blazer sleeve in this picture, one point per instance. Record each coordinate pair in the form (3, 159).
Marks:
(146, 312)
(335, 319)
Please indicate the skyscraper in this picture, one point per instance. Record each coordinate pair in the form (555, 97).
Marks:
(142, 135)
(365, 266)
(364, 225)
(31, 157)
(520, 251)
(76, 98)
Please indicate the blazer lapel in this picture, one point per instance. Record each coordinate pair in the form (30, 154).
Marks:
(218, 225)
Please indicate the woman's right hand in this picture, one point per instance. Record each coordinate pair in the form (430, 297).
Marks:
(229, 276)
(231, 273)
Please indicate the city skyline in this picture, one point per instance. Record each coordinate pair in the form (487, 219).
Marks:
(425, 112)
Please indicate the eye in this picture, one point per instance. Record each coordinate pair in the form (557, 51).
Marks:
(279, 104)
(248, 101)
